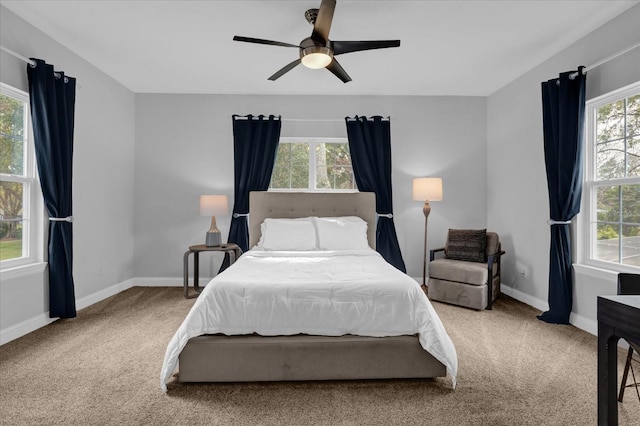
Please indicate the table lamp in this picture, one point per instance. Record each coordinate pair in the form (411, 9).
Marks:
(426, 189)
(212, 205)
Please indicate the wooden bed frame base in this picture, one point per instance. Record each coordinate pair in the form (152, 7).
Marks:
(251, 358)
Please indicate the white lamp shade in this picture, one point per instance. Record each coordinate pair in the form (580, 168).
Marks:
(427, 189)
(214, 205)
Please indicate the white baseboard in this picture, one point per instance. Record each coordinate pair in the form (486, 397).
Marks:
(591, 327)
(160, 282)
(167, 282)
(25, 327)
(584, 323)
(32, 324)
(539, 304)
(579, 321)
(96, 297)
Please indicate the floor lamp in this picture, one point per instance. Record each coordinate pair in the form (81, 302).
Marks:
(426, 189)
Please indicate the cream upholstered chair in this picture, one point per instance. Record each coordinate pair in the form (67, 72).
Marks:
(469, 273)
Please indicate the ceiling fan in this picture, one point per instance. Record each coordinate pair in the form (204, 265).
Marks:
(318, 51)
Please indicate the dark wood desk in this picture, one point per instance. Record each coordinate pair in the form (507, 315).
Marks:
(231, 249)
(618, 317)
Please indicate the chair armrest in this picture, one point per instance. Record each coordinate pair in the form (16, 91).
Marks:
(432, 253)
(495, 257)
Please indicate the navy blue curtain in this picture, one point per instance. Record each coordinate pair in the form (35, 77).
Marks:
(563, 110)
(370, 147)
(52, 96)
(255, 144)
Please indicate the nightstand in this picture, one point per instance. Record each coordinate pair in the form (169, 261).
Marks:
(232, 249)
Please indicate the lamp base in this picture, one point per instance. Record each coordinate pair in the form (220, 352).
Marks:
(213, 239)
(426, 210)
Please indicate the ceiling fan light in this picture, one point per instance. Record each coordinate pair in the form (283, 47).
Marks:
(316, 57)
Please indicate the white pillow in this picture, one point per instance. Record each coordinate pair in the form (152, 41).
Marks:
(341, 233)
(288, 234)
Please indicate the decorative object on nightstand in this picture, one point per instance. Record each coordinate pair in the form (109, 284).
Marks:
(426, 189)
(213, 205)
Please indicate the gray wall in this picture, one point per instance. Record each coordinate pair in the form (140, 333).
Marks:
(518, 204)
(184, 148)
(102, 174)
(141, 162)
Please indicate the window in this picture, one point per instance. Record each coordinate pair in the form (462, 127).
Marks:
(18, 185)
(612, 187)
(313, 165)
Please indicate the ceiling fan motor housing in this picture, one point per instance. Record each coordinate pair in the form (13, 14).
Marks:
(311, 15)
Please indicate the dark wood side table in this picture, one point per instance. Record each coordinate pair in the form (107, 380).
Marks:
(618, 317)
(232, 249)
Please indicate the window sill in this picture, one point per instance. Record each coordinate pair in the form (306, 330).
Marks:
(307, 190)
(599, 272)
(23, 270)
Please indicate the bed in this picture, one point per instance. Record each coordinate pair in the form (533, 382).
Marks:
(312, 300)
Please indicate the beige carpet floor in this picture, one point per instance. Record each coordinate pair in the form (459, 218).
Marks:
(103, 368)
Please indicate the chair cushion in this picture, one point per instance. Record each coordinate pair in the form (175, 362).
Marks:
(466, 244)
(469, 296)
(460, 271)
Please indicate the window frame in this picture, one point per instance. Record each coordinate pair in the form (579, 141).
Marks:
(32, 204)
(587, 222)
(312, 142)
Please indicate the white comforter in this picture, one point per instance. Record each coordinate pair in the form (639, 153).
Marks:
(328, 293)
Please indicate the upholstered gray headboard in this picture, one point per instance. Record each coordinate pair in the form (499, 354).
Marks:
(264, 205)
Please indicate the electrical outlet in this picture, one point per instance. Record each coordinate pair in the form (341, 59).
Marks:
(522, 270)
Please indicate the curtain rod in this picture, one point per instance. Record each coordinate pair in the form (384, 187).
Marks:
(313, 120)
(33, 63)
(605, 60)
(17, 55)
(310, 120)
(296, 119)
(339, 120)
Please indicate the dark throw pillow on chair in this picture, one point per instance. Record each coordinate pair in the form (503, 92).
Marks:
(467, 244)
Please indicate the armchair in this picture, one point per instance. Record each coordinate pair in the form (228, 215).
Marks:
(469, 273)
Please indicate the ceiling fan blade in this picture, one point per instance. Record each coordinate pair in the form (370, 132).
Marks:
(340, 47)
(284, 70)
(323, 21)
(262, 41)
(338, 71)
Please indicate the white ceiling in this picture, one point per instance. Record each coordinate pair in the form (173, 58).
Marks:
(448, 47)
